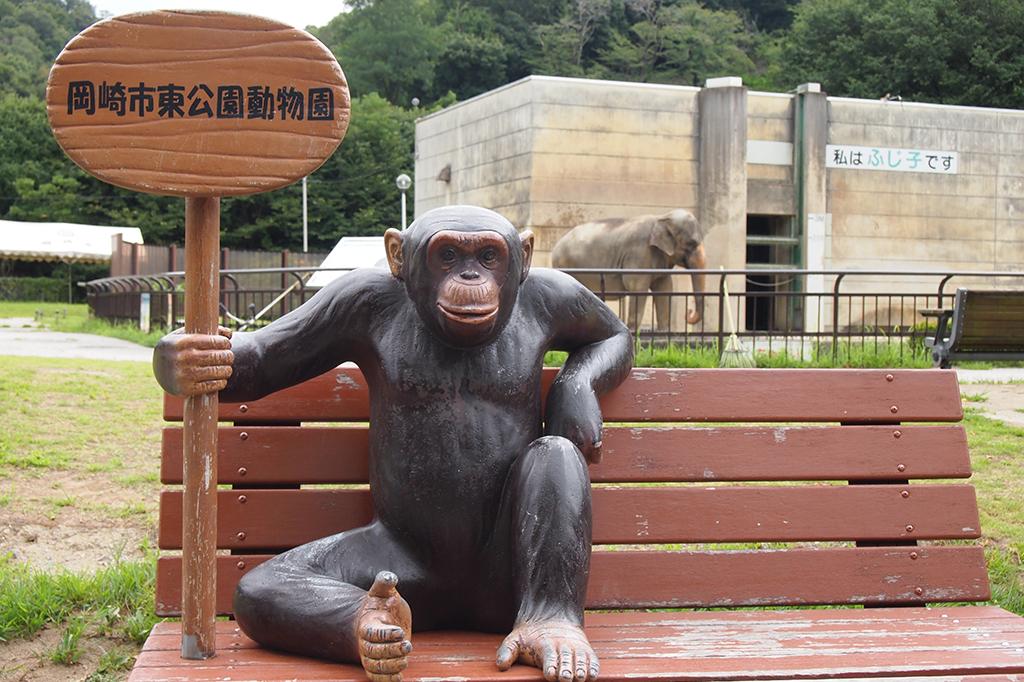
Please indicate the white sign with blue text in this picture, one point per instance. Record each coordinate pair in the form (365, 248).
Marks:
(853, 157)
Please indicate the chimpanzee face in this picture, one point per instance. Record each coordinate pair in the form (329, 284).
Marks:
(462, 269)
(470, 269)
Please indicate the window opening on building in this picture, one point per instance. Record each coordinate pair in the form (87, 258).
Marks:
(772, 244)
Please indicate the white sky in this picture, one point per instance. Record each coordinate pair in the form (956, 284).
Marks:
(299, 13)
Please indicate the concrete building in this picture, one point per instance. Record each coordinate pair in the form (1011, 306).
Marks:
(799, 179)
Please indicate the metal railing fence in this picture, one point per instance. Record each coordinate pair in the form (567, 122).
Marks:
(793, 311)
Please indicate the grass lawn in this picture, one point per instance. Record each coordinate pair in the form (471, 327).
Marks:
(79, 451)
(79, 454)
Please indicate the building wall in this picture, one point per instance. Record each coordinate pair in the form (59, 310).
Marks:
(487, 142)
(966, 221)
(550, 153)
(770, 185)
(609, 150)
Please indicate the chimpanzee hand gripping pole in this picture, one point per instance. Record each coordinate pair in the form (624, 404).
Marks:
(198, 105)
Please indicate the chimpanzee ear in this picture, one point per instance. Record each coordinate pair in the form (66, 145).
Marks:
(393, 246)
(527, 239)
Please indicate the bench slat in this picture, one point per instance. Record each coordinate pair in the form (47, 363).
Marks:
(915, 644)
(290, 455)
(286, 518)
(166, 635)
(660, 579)
(668, 395)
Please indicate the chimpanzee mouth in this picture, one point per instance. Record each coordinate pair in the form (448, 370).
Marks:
(477, 314)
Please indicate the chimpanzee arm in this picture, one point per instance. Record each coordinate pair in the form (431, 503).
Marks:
(600, 356)
(331, 328)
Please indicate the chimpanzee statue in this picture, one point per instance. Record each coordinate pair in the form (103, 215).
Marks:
(482, 503)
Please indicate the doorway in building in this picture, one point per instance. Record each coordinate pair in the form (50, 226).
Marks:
(773, 244)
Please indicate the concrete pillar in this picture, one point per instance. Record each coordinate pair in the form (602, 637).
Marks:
(810, 134)
(723, 181)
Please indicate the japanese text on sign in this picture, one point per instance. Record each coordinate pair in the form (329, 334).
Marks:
(200, 100)
(890, 159)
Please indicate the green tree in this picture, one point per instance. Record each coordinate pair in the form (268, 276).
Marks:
(949, 51)
(386, 46)
(516, 25)
(38, 182)
(563, 45)
(32, 33)
(472, 56)
(759, 15)
(678, 42)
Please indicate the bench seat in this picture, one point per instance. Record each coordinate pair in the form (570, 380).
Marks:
(702, 645)
(719, 489)
(983, 325)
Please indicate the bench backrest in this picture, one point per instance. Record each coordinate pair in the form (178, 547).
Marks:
(988, 321)
(736, 513)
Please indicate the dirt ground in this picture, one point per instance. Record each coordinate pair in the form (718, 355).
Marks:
(27, 660)
(74, 541)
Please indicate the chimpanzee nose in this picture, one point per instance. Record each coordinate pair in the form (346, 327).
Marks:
(470, 274)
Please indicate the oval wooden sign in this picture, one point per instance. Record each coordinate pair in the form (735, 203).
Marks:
(197, 103)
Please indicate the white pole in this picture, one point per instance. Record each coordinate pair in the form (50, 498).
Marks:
(305, 218)
(403, 209)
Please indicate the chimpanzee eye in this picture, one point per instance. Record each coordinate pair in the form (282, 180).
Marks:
(489, 257)
(448, 255)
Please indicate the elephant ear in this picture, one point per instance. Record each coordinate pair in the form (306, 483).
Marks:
(662, 239)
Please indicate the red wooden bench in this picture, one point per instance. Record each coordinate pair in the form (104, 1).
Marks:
(752, 515)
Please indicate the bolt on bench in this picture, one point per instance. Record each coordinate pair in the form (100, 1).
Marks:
(753, 515)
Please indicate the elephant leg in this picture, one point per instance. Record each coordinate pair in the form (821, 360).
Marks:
(662, 288)
(637, 300)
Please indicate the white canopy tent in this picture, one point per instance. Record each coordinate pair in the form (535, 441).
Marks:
(66, 242)
(350, 252)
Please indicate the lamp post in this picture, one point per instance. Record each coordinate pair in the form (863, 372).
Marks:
(305, 218)
(404, 182)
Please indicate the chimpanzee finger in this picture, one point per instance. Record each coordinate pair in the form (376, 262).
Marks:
(385, 650)
(595, 667)
(198, 374)
(550, 667)
(383, 677)
(384, 585)
(565, 664)
(224, 331)
(211, 357)
(595, 452)
(382, 632)
(208, 387)
(386, 666)
(582, 664)
(508, 653)
(208, 342)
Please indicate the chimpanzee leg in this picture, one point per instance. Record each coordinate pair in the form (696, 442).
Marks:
(545, 511)
(306, 600)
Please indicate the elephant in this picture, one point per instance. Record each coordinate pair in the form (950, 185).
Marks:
(643, 242)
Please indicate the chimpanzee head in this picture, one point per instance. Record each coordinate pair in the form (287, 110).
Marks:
(462, 267)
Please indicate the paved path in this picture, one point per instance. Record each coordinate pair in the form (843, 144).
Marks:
(999, 375)
(16, 339)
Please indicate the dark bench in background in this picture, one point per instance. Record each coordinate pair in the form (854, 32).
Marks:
(983, 325)
(752, 515)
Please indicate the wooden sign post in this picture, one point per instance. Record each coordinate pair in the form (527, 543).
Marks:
(199, 105)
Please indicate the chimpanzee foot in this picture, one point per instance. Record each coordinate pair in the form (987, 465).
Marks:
(559, 648)
(384, 630)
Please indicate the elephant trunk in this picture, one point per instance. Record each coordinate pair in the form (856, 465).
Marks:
(697, 261)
